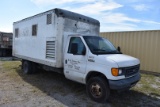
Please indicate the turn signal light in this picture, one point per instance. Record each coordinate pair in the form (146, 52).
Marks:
(115, 71)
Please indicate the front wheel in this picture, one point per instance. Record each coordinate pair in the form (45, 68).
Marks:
(98, 89)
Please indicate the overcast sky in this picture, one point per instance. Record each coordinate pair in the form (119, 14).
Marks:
(114, 15)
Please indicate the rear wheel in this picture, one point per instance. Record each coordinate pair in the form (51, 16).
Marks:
(27, 67)
(98, 89)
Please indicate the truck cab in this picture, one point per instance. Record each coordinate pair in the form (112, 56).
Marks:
(94, 61)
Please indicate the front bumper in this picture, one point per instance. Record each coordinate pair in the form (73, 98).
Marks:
(124, 84)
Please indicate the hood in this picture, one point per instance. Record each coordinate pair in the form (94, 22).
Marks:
(123, 60)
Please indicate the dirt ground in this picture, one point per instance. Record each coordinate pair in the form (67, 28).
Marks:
(48, 89)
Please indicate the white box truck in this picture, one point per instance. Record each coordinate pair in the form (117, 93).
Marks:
(69, 43)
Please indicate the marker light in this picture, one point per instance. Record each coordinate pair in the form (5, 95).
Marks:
(115, 71)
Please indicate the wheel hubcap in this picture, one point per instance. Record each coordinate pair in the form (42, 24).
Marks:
(96, 90)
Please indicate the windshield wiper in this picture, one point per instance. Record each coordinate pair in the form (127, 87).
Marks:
(104, 52)
(114, 52)
(99, 50)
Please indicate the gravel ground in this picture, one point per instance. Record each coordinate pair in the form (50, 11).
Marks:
(48, 89)
(44, 89)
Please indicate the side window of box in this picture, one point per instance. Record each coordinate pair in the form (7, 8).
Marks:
(34, 30)
(16, 32)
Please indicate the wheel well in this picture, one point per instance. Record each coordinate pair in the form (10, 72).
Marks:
(95, 74)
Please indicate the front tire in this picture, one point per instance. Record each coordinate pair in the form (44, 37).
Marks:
(98, 89)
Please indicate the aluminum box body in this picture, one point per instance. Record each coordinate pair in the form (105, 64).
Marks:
(41, 38)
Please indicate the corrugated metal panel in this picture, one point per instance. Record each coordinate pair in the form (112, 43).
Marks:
(141, 44)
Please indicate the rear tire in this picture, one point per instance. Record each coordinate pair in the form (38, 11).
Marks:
(27, 67)
(98, 89)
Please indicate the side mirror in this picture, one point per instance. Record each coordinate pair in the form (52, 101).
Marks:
(74, 48)
(119, 49)
(84, 51)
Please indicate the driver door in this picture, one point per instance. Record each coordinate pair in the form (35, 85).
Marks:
(75, 59)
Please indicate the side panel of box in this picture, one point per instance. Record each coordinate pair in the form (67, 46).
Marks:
(37, 48)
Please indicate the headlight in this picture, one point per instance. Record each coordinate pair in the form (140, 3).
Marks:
(116, 71)
(120, 72)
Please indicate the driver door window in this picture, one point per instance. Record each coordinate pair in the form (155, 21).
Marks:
(78, 41)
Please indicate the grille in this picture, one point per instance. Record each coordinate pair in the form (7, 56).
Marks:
(131, 70)
(50, 49)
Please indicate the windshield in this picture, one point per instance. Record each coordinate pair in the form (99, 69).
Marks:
(98, 45)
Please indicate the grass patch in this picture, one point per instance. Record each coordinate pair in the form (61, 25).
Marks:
(10, 65)
(148, 84)
(9, 68)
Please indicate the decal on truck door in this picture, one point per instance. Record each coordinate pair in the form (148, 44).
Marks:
(73, 64)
